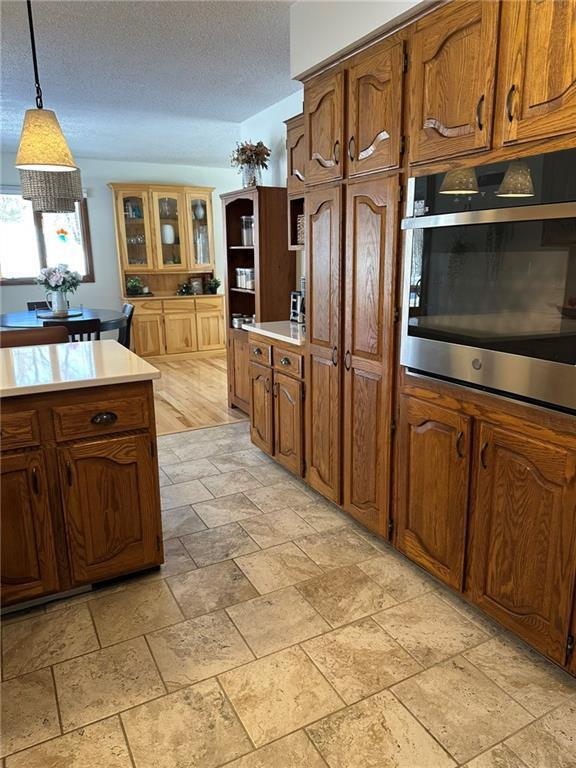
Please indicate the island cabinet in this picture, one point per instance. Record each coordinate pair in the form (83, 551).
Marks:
(80, 495)
(486, 501)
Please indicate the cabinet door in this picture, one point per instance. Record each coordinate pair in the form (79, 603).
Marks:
(135, 241)
(261, 408)
(210, 329)
(288, 422)
(238, 370)
(148, 329)
(111, 507)
(324, 123)
(370, 279)
(537, 70)
(170, 232)
(452, 76)
(433, 466)
(375, 109)
(323, 378)
(522, 550)
(28, 567)
(180, 329)
(296, 155)
(200, 232)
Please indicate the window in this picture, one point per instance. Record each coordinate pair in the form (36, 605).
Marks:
(30, 241)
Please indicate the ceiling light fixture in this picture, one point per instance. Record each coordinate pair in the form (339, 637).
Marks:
(459, 182)
(51, 192)
(42, 143)
(517, 181)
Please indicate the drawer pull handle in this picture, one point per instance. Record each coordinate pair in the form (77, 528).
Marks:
(509, 109)
(35, 481)
(257, 351)
(105, 417)
(336, 152)
(284, 361)
(479, 112)
(275, 388)
(69, 472)
(267, 384)
(351, 148)
(459, 444)
(483, 456)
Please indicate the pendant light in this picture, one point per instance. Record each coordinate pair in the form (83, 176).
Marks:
(517, 181)
(462, 181)
(51, 192)
(42, 143)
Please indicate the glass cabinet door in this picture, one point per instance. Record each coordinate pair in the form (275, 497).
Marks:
(134, 230)
(170, 235)
(199, 218)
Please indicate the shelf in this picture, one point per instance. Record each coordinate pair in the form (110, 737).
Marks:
(243, 290)
(241, 247)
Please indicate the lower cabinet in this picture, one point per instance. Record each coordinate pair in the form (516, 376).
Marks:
(432, 487)
(261, 408)
(210, 330)
(28, 552)
(523, 536)
(238, 370)
(288, 420)
(148, 329)
(180, 329)
(110, 501)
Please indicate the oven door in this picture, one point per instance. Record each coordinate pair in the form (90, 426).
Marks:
(490, 300)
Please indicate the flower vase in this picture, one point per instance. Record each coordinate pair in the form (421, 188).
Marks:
(251, 176)
(59, 303)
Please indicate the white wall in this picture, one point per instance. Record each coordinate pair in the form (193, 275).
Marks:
(105, 292)
(269, 127)
(321, 28)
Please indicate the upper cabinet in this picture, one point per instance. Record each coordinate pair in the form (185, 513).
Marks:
(375, 109)
(324, 127)
(537, 70)
(133, 230)
(452, 76)
(170, 235)
(296, 154)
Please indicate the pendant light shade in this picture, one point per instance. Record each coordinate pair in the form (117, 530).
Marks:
(42, 144)
(51, 192)
(459, 182)
(517, 181)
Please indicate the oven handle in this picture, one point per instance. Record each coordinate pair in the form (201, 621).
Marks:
(523, 213)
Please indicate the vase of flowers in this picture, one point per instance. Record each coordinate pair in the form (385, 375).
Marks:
(250, 158)
(59, 281)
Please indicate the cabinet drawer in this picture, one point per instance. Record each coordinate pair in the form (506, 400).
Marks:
(100, 417)
(148, 307)
(287, 362)
(209, 304)
(19, 430)
(261, 352)
(179, 305)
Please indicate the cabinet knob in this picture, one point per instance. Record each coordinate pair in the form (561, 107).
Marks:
(509, 105)
(104, 417)
(284, 361)
(257, 351)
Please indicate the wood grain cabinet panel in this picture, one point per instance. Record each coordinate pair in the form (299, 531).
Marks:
(371, 222)
(323, 369)
(452, 75)
(288, 434)
(19, 430)
(111, 506)
(324, 126)
(180, 329)
(261, 408)
(432, 487)
(28, 567)
(148, 329)
(523, 536)
(210, 330)
(537, 70)
(375, 108)
(296, 154)
(238, 370)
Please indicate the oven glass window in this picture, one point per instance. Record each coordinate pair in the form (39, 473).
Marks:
(506, 286)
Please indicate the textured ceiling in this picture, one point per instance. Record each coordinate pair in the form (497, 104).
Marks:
(151, 81)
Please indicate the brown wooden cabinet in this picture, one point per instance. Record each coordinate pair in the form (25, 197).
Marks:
(537, 70)
(370, 278)
(148, 329)
(110, 499)
(324, 127)
(323, 351)
(180, 326)
(375, 90)
(28, 550)
(295, 155)
(288, 421)
(523, 535)
(261, 408)
(238, 370)
(452, 76)
(432, 487)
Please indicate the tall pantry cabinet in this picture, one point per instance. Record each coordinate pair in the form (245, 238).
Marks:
(351, 221)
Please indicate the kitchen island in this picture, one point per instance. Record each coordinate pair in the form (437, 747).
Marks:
(80, 491)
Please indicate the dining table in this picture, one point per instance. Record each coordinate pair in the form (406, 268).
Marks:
(110, 319)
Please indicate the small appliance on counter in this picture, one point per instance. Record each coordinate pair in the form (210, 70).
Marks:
(297, 307)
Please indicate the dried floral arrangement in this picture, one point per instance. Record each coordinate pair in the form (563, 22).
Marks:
(248, 153)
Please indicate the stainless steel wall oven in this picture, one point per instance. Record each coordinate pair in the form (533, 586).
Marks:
(490, 277)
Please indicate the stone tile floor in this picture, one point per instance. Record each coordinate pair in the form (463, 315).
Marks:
(279, 634)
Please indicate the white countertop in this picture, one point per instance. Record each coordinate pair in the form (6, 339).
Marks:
(54, 367)
(284, 330)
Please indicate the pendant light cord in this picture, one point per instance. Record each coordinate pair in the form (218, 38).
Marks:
(39, 102)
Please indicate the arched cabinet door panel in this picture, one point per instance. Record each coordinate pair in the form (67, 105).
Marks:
(288, 422)
(324, 127)
(261, 408)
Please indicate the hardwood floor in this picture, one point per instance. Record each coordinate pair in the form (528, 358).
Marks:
(192, 394)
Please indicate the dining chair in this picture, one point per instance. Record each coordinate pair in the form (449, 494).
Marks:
(32, 305)
(79, 330)
(27, 337)
(124, 333)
